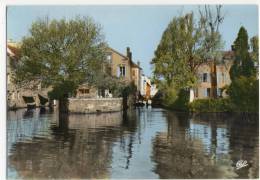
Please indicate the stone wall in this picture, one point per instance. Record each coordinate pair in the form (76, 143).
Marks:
(15, 96)
(94, 105)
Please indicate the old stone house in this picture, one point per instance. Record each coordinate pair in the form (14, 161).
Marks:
(203, 89)
(122, 66)
(20, 97)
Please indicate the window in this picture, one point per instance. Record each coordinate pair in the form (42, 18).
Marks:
(84, 91)
(121, 71)
(205, 77)
(109, 58)
(208, 92)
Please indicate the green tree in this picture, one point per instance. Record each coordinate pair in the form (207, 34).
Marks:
(62, 54)
(185, 45)
(244, 94)
(254, 43)
(179, 53)
(243, 63)
(244, 90)
(210, 21)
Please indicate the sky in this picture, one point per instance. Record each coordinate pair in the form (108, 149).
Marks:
(139, 27)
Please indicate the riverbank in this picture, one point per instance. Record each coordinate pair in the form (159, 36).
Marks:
(221, 105)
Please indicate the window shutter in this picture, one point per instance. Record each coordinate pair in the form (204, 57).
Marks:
(118, 71)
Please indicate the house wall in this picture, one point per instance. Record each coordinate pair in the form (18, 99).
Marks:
(148, 91)
(90, 92)
(223, 79)
(14, 93)
(136, 77)
(119, 60)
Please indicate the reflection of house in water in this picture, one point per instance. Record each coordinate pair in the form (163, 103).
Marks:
(235, 133)
(218, 135)
(179, 158)
(26, 123)
(78, 146)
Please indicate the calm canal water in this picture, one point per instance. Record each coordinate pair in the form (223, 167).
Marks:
(145, 143)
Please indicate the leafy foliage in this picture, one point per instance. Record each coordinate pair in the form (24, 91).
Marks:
(211, 105)
(254, 42)
(243, 64)
(179, 52)
(244, 94)
(244, 90)
(62, 54)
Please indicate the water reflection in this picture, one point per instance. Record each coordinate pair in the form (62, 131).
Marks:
(206, 146)
(78, 146)
(144, 143)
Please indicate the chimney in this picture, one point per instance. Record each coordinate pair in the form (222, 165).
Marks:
(129, 53)
(138, 63)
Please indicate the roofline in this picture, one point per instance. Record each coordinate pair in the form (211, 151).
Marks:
(118, 53)
(124, 57)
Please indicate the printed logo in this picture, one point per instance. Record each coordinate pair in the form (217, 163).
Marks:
(241, 163)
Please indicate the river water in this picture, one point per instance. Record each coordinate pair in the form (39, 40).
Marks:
(144, 143)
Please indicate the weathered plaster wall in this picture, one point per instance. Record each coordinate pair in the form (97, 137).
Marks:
(93, 105)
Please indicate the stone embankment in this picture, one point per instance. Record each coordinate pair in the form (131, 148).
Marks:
(94, 105)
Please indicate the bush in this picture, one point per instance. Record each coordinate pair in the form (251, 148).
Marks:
(182, 101)
(244, 94)
(210, 105)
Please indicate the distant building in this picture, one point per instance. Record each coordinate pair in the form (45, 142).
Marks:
(148, 90)
(204, 89)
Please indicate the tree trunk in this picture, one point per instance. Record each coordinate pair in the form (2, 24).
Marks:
(213, 92)
(191, 95)
(63, 104)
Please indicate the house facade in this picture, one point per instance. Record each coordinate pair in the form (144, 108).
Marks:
(20, 97)
(122, 67)
(203, 89)
(136, 75)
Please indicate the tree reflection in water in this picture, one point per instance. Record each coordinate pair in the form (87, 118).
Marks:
(144, 143)
(180, 152)
(79, 146)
